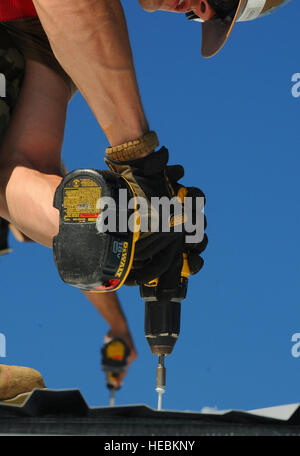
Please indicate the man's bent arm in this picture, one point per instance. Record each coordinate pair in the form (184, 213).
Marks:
(110, 309)
(90, 40)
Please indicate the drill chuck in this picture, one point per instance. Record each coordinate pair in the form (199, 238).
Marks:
(162, 325)
(162, 322)
(162, 316)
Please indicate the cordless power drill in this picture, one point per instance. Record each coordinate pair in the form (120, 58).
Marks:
(114, 360)
(98, 260)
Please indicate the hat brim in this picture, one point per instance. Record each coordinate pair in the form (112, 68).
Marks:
(215, 33)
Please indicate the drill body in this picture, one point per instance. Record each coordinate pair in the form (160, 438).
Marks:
(162, 316)
(162, 320)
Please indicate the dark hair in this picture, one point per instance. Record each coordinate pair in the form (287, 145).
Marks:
(224, 8)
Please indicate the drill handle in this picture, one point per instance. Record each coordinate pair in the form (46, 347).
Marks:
(154, 291)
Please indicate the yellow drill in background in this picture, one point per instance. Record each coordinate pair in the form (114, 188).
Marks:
(115, 355)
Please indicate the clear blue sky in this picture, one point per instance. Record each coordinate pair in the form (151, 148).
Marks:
(234, 125)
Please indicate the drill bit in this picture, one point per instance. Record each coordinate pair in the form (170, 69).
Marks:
(112, 397)
(160, 380)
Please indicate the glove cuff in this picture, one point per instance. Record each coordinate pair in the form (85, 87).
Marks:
(133, 149)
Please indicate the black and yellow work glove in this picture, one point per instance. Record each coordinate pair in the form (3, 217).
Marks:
(147, 175)
(146, 267)
(194, 245)
(148, 179)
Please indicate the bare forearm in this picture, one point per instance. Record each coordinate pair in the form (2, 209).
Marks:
(90, 40)
(110, 309)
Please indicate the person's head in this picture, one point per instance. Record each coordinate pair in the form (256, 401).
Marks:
(217, 16)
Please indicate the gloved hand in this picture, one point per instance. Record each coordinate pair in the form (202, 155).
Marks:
(193, 249)
(146, 176)
(148, 179)
(150, 262)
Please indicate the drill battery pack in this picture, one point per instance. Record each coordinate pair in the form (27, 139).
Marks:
(94, 248)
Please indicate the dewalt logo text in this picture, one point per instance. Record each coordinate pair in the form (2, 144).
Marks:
(123, 259)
